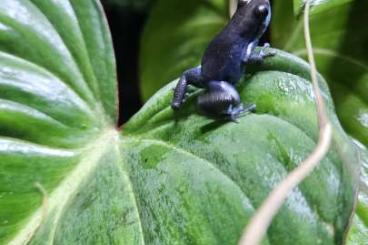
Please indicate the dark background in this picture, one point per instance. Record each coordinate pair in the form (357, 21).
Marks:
(126, 27)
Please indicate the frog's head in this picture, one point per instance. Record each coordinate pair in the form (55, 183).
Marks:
(255, 13)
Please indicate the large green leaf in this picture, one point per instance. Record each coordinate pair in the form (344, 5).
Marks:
(252, 156)
(168, 178)
(340, 38)
(57, 111)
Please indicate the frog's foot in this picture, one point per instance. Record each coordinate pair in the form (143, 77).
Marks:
(264, 53)
(259, 56)
(233, 113)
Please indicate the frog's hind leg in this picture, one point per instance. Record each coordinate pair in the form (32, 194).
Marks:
(222, 100)
(193, 77)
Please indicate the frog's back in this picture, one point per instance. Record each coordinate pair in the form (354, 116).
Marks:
(222, 58)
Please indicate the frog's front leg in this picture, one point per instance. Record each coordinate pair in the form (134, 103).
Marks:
(248, 51)
(221, 100)
(192, 76)
(258, 57)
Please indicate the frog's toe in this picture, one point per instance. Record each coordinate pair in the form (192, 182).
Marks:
(266, 52)
(234, 113)
(266, 45)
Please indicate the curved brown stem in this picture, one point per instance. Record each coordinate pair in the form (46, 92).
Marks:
(260, 222)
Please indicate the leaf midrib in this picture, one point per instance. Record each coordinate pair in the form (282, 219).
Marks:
(185, 152)
(60, 196)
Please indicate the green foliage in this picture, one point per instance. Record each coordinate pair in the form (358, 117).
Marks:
(168, 178)
(58, 96)
(192, 155)
(340, 36)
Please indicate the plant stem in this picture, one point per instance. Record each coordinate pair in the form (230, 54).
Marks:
(258, 225)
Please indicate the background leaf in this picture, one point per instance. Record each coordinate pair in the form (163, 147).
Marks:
(340, 38)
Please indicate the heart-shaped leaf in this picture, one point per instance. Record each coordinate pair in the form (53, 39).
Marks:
(253, 155)
(67, 176)
(57, 111)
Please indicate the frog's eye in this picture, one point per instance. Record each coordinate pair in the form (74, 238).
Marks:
(262, 11)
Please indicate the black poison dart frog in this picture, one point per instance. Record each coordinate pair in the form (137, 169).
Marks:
(224, 62)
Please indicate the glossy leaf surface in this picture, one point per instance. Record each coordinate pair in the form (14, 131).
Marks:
(168, 178)
(57, 105)
(253, 156)
(190, 43)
